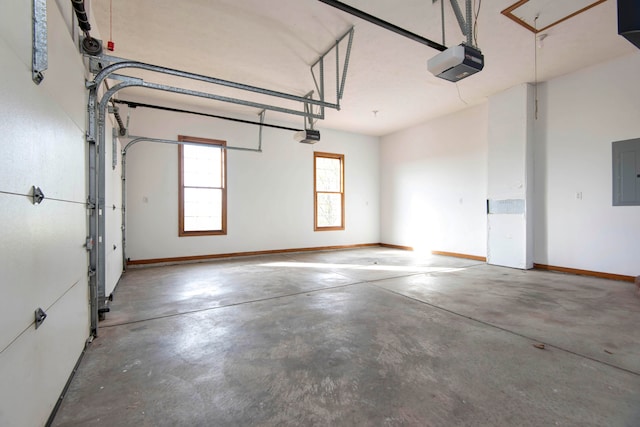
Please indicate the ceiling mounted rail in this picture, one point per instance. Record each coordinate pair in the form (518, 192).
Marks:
(110, 70)
(135, 82)
(384, 24)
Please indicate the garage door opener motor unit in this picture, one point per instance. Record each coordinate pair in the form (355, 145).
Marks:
(456, 63)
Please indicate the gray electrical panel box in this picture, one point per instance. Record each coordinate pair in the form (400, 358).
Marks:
(626, 172)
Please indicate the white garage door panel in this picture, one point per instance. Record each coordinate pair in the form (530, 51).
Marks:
(44, 146)
(36, 367)
(41, 257)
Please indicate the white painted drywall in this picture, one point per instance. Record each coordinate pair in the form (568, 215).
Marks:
(509, 177)
(434, 184)
(575, 224)
(42, 259)
(580, 114)
(270, 194)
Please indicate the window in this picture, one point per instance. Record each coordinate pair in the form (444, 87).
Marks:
(202, 188)
(328, 191)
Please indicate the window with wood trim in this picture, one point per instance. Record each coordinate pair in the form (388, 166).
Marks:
(328, 177)
(202, 187)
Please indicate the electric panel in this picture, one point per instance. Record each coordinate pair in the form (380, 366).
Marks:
(626, 172)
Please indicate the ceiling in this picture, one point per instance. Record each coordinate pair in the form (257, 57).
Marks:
(271, 44)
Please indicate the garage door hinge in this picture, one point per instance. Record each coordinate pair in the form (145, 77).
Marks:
(91, 204)
(91, 272)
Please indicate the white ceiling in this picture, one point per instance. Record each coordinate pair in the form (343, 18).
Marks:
(271, 44)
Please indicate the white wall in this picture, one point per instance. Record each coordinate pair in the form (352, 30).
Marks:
(510, 177)
(427, 169)
(42, 259)
(580, 115)
(434, 184)
(270, 194)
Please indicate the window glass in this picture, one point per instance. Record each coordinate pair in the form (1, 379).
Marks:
(202, 187)
(328, 191)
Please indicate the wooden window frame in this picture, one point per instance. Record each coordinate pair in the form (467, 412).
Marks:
(317, 154)
(218, 143)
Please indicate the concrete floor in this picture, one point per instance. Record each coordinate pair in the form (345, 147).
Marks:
(375, 337)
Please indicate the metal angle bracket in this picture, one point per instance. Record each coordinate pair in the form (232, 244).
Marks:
(39, 55)
(98, 62)
(341, 75)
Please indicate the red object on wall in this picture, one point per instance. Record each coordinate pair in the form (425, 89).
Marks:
(111, 45)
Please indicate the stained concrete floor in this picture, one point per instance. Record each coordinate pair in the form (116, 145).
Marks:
(373, 337)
